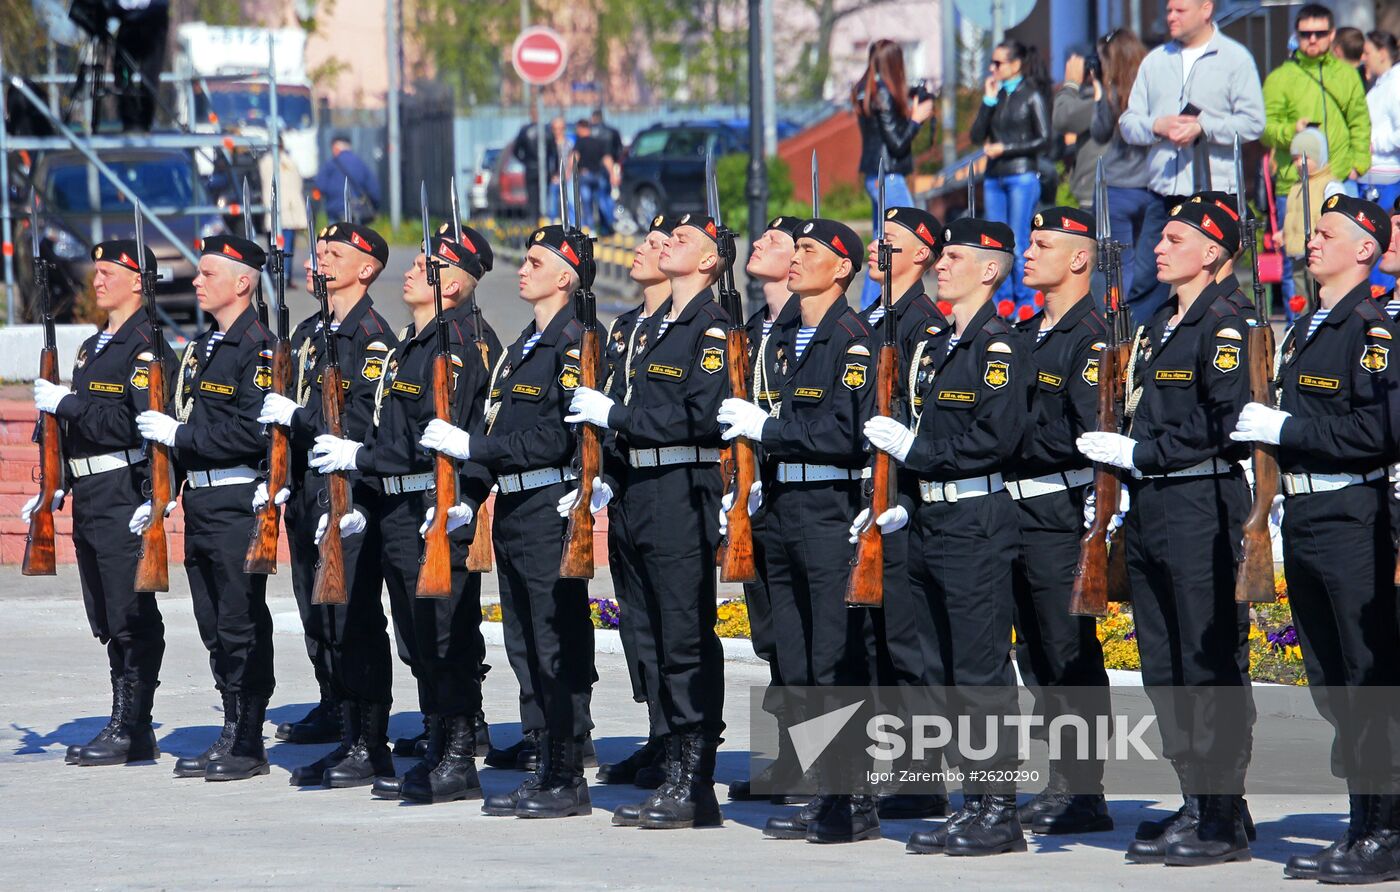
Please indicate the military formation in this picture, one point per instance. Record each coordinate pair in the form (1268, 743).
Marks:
(990, 440)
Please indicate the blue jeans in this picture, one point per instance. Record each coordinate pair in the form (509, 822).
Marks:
(1385, 196)
(1286, 288)
(1147, 294)
(1012, 200)
(896, 196)
(289, 244)
(593, 189)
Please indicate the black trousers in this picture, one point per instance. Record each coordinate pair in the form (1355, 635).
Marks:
(1053, 648)
(348, 643)
(668, 556)
(546, 621)
(1183, 536)
(902, 630)
(141, 42)
(638, 648)
(759, 603)
(230, 606)
(1339, 561)
(126, 621)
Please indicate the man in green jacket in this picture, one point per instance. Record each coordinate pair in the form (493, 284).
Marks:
(1315, 88)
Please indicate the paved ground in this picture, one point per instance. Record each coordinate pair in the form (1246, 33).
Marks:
(135, 826)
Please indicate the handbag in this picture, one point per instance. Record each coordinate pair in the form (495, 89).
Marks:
(1270, 252)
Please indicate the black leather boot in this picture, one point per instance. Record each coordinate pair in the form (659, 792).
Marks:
(370, 756)
(314, 774)
(905, 806)
(133, 740)
(194, 766)
(561, 792)
(118, 697)
(794, 826)
(933, 842)
(1053, 798)
(630, 815)
(625, 771)
(1153, 837)
(1218, 838)
(246, 758)
(995, 831)
(1375, 856)
(1305, 867)
(390, 787)
(528, 759)
(742, 790)
(846, 819)
(1076, 813)
(690, 800)
(411, 746)
(515, 756)
(481, 732)
(320, 725)
(454, 776)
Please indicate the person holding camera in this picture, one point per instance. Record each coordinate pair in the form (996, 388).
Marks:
(1071, 118)
(890, 116)
(1130, 196)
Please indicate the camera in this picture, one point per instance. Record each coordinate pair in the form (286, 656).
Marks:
(1093, 68)
(920, 92)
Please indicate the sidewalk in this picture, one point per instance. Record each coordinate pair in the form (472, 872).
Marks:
(136, 826)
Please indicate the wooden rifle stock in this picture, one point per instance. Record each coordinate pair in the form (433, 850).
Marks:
(40, 555)
(153, 568)
(330, 567)
(577, 560)
(1089, 595)
(1254, 583)
(435, 575)
(736, 557)
(262, 548)
(866, 586)
(479, 555)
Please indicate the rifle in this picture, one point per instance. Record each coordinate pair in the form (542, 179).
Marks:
(816, 187)
(329, 587)
(1311, 285)
(40, 555)
(576, 562)
(435, 576)
(971, 195)
(259, 296)
(479, 555)
(262, 547)
(153, 568)
(736, 557)
(866, 586)
(1101, 574)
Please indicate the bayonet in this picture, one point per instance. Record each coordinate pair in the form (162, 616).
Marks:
(816, 187)
(456, 213)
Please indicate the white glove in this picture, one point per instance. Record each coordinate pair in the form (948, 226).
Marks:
(260, 496)
(352, 523)
(141, 517)
(33, 504)
(447, 439)
(741, 418)
(891, 520)
(1107, 448)
(334, 454)
(277, 409)
(157, 426)
(591, 406)
(888, 435)
(1114, 522)
(727, 501)
(602, 494)
(458, 515)
(1257, 422)
(47, 395)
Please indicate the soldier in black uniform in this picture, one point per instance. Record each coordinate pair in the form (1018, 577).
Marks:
(969, 388)
(353, 708)
(1228, 203)
(1389, 264)
(822, 369)
(666, 441)
(105, 474)
(1333, 427)
(645, 767)
(218, 444)
(443, 634)
(523, 440)
(1049, 479)
(1188, 381)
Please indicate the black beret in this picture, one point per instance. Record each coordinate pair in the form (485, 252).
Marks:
(662, 224)
(1366, 214)
(361, 238)
(785, 224)
(985, 234)
(702, 222)
(1071, 221)
(557, 240)
(121, 251)
(1211, 221)
(918, 221)
(475, 244)
(839, 237)
(234, 248)
(1226, 201)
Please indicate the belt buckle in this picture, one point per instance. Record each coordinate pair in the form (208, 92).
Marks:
(950, 491)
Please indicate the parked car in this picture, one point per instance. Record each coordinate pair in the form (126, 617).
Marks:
(506, 195)
(481, 180)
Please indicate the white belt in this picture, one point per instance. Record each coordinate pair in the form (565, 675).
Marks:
(956, 490)
(1211, 467)
(513, 483)
(407, 483)
(670, 455)
(98, 464)
(1306, 484)
(221, 477)
(795, 472)
(1048, 483)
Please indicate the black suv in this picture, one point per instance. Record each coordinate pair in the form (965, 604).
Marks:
(663, 170)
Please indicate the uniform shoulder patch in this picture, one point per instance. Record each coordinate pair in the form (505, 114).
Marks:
(569, 377)
(714, 331)
(935, 328)
(855, 375)
(998, 347)
(373, 369)
(1097, 346)
(572, 353)
(377, 346)
(1227, 358)
(711, 359)
(1378, 331)
(1375, 358)
(1230, 334)
(141, 377)
(456, 360)
(262, 377)
(998, 373)
(858, 350)
(145, 356)
(1090, 372)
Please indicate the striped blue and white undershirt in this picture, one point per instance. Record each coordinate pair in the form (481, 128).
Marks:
(804, 337)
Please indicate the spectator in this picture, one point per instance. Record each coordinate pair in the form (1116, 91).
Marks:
(1383, 101)
(342, 167)
(291, 204)
(525, 149)
(1313, 88)
(1072, 116)
(1350, 46)
(595, 167)
(1130, 197)
(1013, 128)
(888, 121)
(1192, 96)
(607, 204)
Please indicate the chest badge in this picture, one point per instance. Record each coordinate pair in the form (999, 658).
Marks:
(781, 360)
(712, 359)
(1376, 358)
(1227, 358)
(997, 375)
(854, 376)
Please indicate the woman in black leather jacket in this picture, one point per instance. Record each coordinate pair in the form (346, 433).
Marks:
(1013, 128)
(889, 119)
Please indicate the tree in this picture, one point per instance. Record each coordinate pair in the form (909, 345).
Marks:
(815, 65)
